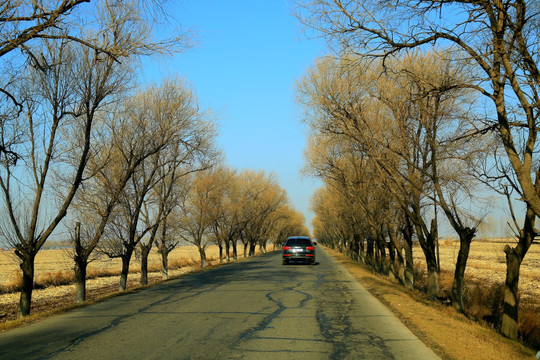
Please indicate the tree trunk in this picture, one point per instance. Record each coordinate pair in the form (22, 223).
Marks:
(395, 251)
(221, 257)
(350, 250)
(202, 253)
(125, 270)
(359, 246)
(428, 248)
(369, 254)
(27, 267)
(383, 259)
(235, 251)
(409, 264)
(377, 253)
(514, 258)
(431, 260)
(433, 278)
(392, 261)
(401, 270)
(164, 264)
(81, 264)
(228, 251)
(164, 250)
(407, 232)
(245, 249)
(465, 238)
(356, 250)
(509, 325)
(145, 251)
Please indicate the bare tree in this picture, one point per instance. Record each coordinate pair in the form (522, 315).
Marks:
(195, 152)
(501, 179)
(126, 230)
(23, 21)
(108, 173)
(169, 117)
(342, 104)
(68, 70)
(63, 92)
(194, 215)
(169, 194)
(262, 196)
(514, 257)
(25, 24)
(289, 222)
(228, 215)
(438, 92)
(224, 212)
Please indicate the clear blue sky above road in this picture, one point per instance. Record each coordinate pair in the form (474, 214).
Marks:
(248, 55)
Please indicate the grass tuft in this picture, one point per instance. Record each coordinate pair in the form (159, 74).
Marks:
(67, 277)
(484, 301)
(529, 325)
(14, 284)
(61, 277)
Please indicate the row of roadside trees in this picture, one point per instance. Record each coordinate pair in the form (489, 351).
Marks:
(425, 102)
(68, 69)
(83, 147)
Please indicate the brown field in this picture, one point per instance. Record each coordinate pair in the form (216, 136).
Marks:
(487, 263)
(57, 264)
(53, 261)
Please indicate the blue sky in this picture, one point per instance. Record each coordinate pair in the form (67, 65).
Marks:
(244, 67)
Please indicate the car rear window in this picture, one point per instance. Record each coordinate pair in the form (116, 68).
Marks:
(298, 242)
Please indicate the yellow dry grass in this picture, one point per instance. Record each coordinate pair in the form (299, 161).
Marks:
(58, 262)
(487, 263)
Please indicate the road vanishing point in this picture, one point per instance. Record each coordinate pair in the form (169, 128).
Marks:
(252, 309)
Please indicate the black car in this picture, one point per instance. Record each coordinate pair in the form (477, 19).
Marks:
(298, 248)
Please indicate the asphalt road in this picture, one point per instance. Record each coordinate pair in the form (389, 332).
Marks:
(253, 309)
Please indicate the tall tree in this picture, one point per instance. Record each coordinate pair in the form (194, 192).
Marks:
(194, 216)
(65, 74)
(224, 212)
(25, 24)
(169, 117)
(262, 196)
(63, 93)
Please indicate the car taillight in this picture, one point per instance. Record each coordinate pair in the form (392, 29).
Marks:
(286, 248)
(310, 248)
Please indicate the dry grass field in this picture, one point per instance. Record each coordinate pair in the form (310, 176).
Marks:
(487, 263)
(483, 291)
(56, 266)
(57, 261)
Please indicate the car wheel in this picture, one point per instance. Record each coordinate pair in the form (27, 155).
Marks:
(285, 262)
